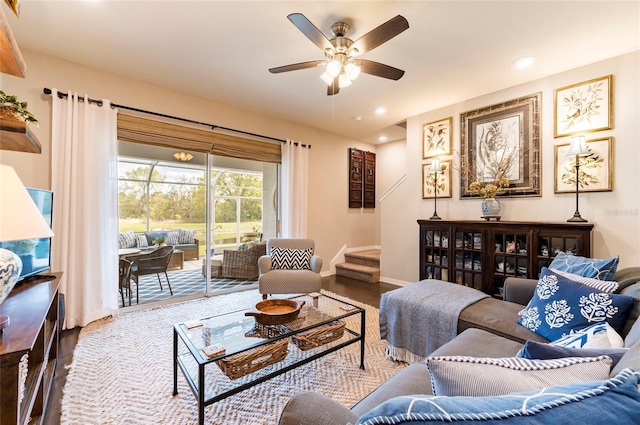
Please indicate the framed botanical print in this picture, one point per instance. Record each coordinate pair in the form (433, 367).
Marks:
(584, 107)
(443, 185)
(502, 141)
(436, 138)
(595, 172)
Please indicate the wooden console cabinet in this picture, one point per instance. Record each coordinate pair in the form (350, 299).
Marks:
(482, 254)
(34, 331)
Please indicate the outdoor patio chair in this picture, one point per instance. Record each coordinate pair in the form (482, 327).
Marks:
(291, 275)
(155, 262)
(124, 279)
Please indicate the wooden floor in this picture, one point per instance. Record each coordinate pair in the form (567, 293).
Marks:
(367, 293)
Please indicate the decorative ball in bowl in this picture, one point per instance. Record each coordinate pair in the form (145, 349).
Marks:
(275, 311)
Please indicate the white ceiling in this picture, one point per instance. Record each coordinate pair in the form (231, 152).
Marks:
(222, 50)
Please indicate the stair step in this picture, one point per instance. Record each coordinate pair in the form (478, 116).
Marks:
(358, 271)
(370, 257)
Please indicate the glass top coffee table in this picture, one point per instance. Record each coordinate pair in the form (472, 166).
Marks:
(254, 353)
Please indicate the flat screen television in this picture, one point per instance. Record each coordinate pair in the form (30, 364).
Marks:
(35, 253)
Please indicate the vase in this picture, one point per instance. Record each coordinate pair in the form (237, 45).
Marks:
(490, 206)
(10, 269)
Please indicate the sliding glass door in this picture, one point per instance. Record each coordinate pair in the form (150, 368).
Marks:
(200, 207)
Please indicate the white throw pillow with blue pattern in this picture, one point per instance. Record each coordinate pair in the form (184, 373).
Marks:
(612, 401)
(186, 236)
(141, 241)
(560, 305)
(172, 238)
(127, 239)
(600, 335)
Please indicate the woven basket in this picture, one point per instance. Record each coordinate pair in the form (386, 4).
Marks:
(242, 364)
(319, 336)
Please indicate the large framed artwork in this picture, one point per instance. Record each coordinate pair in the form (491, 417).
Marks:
(595, 172)
(444, 181)
(436, 138)
(584, 107)
(502, 140)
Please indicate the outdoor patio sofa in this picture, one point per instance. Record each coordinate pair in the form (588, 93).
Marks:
(186, 242)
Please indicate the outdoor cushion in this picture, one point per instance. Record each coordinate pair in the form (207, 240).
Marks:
(126, 239)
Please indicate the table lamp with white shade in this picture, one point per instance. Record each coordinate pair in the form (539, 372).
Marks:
(578, 148)
(20, 219)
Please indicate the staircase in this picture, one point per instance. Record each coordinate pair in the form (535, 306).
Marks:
(361, 265)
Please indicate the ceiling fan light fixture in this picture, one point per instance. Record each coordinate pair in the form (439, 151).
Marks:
(352, 70)
(328, 79)
(183, 156)
(334, 67)
(344, 81)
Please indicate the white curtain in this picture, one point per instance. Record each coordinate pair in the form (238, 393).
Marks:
(295, 182)
(85, 213)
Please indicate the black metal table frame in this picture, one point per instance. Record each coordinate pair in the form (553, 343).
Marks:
(198, 388)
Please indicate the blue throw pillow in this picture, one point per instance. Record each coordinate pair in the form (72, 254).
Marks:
(587, 267)
(615, 401)
(541, 351)
(561, 305)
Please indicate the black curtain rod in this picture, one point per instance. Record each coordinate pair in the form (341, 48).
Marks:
(157, 114)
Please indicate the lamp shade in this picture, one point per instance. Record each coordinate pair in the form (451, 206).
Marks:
(19, 215)
(436, 166)
(578, 147)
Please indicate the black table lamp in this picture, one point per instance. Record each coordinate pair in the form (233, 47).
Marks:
(436, 167)
(578, 148)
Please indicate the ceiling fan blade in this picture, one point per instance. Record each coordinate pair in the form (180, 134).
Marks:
(334, 88)
(381, 34)
(310, 31)
(296, 66)
(379, 69)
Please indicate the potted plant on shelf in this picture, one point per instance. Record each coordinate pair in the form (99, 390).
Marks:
(11, 109)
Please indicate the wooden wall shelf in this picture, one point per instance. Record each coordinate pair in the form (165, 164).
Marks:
(11, 61)
(18, 136)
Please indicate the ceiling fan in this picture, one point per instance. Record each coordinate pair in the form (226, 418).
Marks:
(340, 52)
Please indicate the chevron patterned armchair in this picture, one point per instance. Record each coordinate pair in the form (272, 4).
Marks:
(290, 267)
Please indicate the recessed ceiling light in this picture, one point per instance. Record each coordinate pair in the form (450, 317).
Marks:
(381, 110)
(524, 62)
(357, 118)
(382, 138)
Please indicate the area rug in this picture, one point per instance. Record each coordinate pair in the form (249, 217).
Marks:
(122, 371)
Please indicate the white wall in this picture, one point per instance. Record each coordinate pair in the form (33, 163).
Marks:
(616, 214)
(331, 223)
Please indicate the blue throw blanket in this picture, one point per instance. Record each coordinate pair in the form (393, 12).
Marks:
(419, 318)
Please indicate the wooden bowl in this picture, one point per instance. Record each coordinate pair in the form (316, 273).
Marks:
(276, 312)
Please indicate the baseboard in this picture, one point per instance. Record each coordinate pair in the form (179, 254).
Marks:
(394, 281)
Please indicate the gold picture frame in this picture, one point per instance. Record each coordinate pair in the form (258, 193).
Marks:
(444, 181)
(491, 132)
(436, 138)
(596, 170)
(584, 107)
